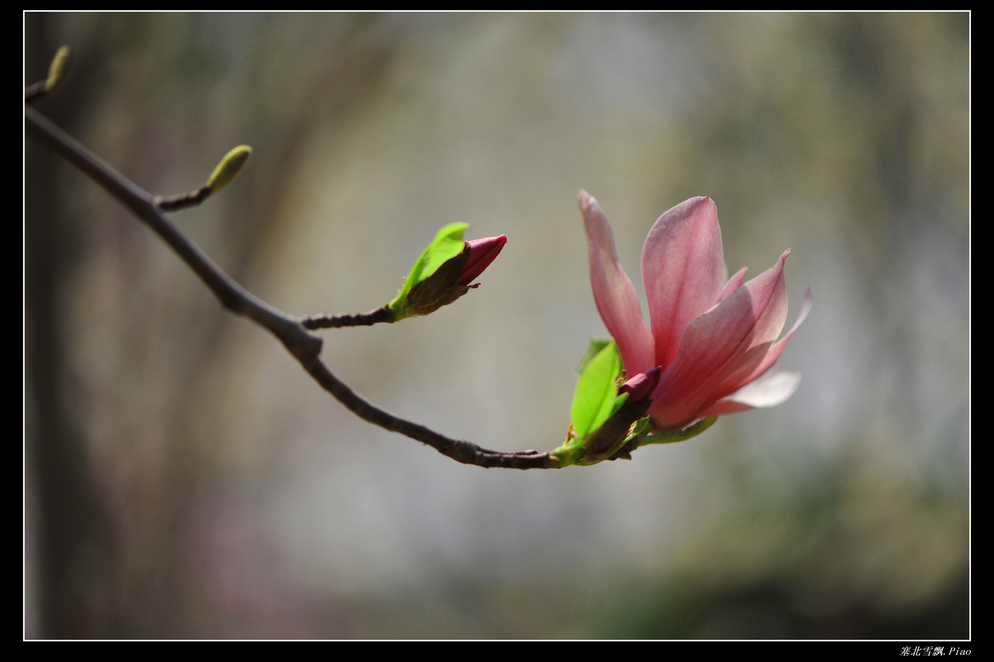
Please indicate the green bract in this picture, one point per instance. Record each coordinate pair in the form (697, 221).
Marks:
(448, 243)
(596, 397)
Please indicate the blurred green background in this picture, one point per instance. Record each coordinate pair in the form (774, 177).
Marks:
(185, 478)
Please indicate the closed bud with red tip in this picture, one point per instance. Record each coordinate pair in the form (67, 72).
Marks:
(445, 271)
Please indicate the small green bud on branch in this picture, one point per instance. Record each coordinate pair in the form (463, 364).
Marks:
(228, 168)
(59, 70)
(223, 174)
(58, 73)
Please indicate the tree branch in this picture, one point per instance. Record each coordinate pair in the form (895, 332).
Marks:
(290, 331)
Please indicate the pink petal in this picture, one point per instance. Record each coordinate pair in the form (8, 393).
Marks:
(761, 361)
(768, 391)
(683, 271)
(717, 344)
(734, 283)
(614, 293)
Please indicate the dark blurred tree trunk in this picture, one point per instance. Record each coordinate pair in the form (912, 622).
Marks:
(74, 539)
(93, 579)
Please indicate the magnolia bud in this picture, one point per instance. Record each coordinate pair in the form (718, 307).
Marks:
(452, 279)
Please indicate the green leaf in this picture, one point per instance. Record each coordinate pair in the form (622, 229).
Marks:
(596, 345)
(448, 243)
(596, 392)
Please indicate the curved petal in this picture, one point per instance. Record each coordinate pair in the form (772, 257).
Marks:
(761, 361)
(768, 391)
(614, 293)
(683, 270)
(716, 344)
(734, 283)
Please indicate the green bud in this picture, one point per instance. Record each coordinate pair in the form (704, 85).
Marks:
(59, 70)
(439, 289)
(228, 168)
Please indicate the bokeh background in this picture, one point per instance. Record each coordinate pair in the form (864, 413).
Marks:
(185, 478)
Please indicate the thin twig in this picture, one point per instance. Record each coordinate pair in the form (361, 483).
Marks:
(35, 91)
(291, 332)
(379, 316)
(183, 200)
(460, 451)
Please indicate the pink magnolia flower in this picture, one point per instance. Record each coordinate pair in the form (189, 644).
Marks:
(714, 339)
